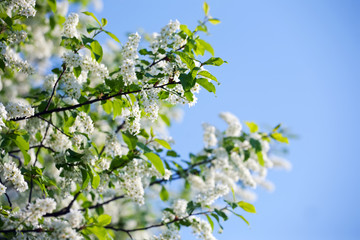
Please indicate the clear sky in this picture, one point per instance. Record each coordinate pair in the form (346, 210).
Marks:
(295, 62)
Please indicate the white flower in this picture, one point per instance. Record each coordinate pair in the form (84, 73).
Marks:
(19, 109)
(179, 208)
(201, 228)
(70, 26)
(2, 189)
(83, 123)
(13, 174)
(234, 128)
(129, 52)
(3, 115)
(49, 82)
(24, 7)
(75, 218)
(210, 139)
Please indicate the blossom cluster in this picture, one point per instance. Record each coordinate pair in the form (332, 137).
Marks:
(23, 7)
(13, 60)
(129, 53)
(70, 26)
(34, 211)
(13, 174)
(19, 109)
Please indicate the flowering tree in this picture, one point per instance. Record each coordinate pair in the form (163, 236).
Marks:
(84, 147)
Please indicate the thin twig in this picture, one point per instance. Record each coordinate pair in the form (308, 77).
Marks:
(36, 159)
(7, 196)
(54, 88)
(160, 224)
(35, 146)
(52, 124)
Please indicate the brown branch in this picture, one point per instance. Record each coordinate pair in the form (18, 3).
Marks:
(64, 210)
(7, 196)
(160, 224)
(54, 88)
(36, 159)
(35, 146)
(116, 131)
(52, 124)
(105, 97)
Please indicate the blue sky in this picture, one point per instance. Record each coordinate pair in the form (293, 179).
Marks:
(295, 62)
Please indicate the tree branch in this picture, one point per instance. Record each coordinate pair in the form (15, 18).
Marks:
(36, 158)
(57, 128)
(54, 88)
(7, 196)
(65, 210)
(105, 97)
(160, 224)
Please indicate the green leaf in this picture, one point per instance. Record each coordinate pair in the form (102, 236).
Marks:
(252, 126)
(104, 22)
(185, 29)
(206, 46)
(216, 61)
(210, 222)
(166, 119)
(21, 143)
(107, 106)
(156, 161)
(172, 153)
(187, 81)
(27, 157)
(119, 162)
(241, 217)
(95, 177)
(207, 75)
(100, 232)
(206, 8)
(95, 180)
(163, 143)
(206, 84)
(93, 16)
(189, 96)
(279, 137)
(260, 158)
(130, 140)
(77, 71)
(164, 194)
(248, 207)
(52, 5)
(85, 178)
(255, 144)
(104, 220)
(276, 127)
(96, 50)
(221, 214)
(117, 107)
(214, 21)
(112, 36)
(186, 59)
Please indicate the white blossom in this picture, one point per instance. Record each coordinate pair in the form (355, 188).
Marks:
(24, 7)
(3, 115)
(129, 53)
(201, 228)
(2, 189)
(210, 139)
(70, 26)
(13, 174)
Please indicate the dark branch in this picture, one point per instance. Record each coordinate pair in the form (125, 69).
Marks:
(54, 88)
(64, 210)
(160, 224)
(105, 97)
